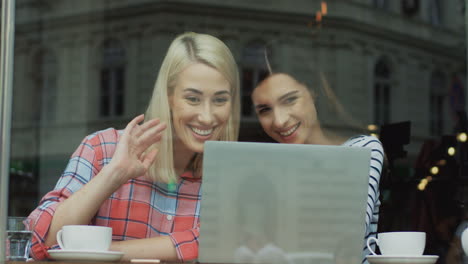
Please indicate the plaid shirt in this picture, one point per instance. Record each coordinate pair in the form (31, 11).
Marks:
(140, 208)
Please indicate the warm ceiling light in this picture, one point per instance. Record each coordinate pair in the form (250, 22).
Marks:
(451, 151)
(324, 8)
(435, 170)
(374, 135)
(372, 127)
(318, 17)
(462, 137)
(422, 184)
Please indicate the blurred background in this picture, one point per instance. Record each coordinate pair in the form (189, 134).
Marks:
(398, 67)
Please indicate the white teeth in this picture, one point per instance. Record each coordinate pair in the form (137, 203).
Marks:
(202, 132)
(290, 131)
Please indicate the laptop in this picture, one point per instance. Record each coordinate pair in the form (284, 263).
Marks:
(283, 203)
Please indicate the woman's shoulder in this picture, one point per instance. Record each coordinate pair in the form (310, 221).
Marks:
(109, 135)
(370, 142)
(364, 141)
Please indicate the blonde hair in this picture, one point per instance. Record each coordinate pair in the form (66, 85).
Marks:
(187, 49)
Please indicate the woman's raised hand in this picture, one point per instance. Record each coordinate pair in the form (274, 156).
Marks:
(132, 156)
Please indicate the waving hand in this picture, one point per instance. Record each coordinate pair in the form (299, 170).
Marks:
(133, 154)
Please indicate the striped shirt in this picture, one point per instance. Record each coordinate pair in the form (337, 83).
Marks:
(140, 208)
(373, 202)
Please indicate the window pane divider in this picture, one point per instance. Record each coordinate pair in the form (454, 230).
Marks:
(6, 101)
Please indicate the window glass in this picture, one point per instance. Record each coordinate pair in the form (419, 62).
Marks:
(86, 66)
(112, 79)
(46, 81)
(435, 12)
(254, 70)
(381, 4)
(382, 93)
(410, 7)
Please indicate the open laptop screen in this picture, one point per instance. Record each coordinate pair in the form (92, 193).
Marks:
(283, 203)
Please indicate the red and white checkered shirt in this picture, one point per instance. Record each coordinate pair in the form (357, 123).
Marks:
(140, 208)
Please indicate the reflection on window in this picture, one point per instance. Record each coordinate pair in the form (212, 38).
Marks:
(254, 70)
(437, 101)
(435, 12)
(45, 87)
(382, 74)
(112, 77)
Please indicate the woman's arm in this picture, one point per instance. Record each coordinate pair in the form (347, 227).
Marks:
(182, 246)
(80, 207)
(376, 166)
(130, 160)
(149, 248)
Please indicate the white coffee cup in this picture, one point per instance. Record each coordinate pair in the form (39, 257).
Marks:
(399, 243)
(84, 238)
(464, 241)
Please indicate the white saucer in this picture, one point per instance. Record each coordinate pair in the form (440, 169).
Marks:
(85, 255)
(379, 259)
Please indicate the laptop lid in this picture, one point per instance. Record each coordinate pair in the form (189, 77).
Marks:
(283, 203)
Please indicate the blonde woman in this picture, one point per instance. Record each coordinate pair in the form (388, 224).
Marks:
(144, 181)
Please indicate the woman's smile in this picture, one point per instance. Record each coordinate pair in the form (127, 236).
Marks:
(202, 132)
(289, 131)
(285, 109)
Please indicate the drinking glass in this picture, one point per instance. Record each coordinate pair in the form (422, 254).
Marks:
(18, 240)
